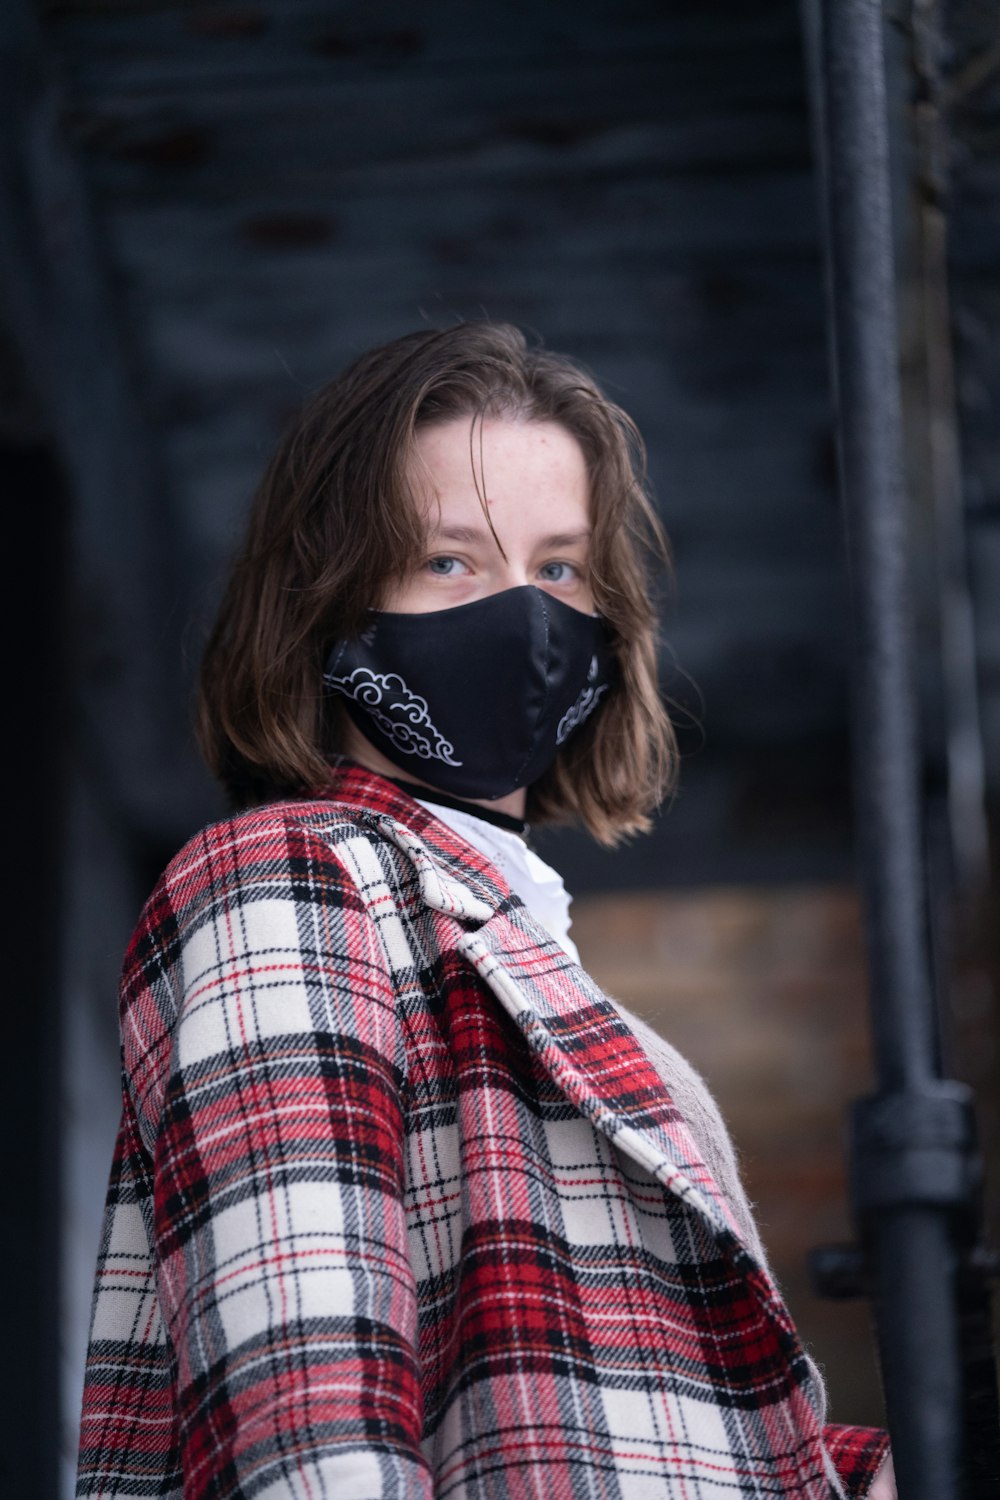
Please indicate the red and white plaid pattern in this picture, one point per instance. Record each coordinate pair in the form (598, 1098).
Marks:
(399, 1208)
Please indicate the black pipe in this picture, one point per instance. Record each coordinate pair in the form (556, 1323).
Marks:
(866, 385)
(914, 1167)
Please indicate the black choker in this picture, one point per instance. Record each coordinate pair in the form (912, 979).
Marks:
(488, 814)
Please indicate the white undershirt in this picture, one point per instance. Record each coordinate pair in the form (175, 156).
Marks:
(538, 885)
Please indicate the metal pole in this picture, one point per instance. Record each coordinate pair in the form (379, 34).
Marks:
(870, 448)
(914, 1164)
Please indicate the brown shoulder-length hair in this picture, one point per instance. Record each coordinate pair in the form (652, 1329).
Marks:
(335, 521)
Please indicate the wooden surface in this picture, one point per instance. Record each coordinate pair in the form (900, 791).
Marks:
(275, 187)
(281, 186)
(764, 992)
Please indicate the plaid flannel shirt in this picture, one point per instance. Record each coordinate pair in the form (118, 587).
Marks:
(399, 1208)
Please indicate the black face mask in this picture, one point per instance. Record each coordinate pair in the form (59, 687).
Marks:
(476, 700)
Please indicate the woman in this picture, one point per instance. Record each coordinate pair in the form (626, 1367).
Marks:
(402, 1204)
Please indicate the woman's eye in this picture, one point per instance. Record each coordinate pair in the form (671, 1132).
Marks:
(558, 572)
(444, 567)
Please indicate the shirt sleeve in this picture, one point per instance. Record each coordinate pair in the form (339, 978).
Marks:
(273, 1128)
(127, 1426)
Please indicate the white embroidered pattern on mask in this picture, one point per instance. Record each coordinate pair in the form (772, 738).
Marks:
(382, 694)
(582, 709)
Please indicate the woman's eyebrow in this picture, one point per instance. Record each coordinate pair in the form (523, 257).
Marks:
(472, 534)
(566, 539)
(457, 534)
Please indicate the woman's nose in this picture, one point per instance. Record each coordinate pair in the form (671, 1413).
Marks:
(511, 575)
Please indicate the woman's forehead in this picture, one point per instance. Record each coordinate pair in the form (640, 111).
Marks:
(526, 471)
(460, 448)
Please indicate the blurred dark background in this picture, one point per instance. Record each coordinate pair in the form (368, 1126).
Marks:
(208, 209)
